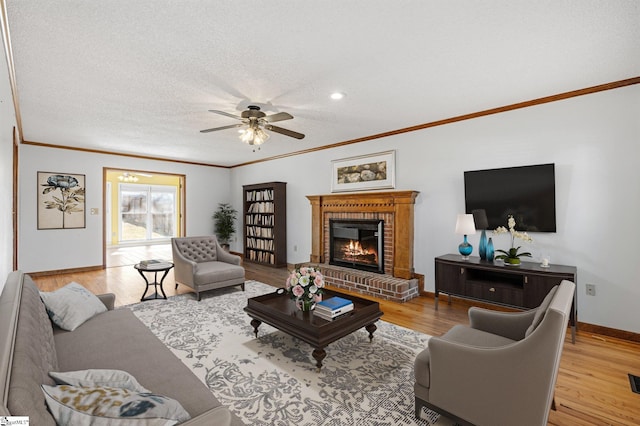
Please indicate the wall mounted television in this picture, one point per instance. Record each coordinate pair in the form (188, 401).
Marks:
(527, 192)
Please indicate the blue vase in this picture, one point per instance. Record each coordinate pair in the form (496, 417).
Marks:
(465, 248)
(482, 245)
(489, 250)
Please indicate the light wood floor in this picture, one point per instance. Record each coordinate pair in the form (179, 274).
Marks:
(125, 255)
(592, 389)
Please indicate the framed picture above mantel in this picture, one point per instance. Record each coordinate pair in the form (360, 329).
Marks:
(364, 172)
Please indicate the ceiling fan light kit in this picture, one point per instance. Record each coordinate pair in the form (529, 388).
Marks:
(257, 122)
(254, 136)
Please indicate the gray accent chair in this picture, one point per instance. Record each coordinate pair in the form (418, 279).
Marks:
(202, 264)
(499, 370)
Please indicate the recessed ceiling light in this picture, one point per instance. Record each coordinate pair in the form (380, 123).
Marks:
(337, 96)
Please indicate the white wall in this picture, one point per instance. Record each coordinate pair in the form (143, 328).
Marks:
(593, 141)
(7, 123)
(53, 249)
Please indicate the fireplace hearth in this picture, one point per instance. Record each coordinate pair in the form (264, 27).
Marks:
(357, 244)
(393, 277)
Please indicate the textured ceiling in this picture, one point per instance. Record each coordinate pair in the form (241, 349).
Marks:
(138, 77)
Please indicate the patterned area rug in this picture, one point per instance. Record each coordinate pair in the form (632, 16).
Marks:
(272, 380)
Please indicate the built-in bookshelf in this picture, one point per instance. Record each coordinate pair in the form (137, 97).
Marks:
(265, 223)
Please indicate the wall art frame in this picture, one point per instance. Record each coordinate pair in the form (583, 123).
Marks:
(61, 200)
(364, 172)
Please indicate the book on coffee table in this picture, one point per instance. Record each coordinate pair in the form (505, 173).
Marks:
(334, 302)
(331, 315)
(333, 306)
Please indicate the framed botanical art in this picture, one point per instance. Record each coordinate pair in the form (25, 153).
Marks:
(61, 202)
(372, 171)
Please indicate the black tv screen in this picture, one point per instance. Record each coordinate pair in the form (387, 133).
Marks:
(528, 193)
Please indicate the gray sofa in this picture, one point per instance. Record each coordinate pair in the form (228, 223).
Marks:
(499, 370)
(30, 348)
(202, 264)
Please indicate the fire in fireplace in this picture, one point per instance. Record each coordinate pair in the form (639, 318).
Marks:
(357, 244)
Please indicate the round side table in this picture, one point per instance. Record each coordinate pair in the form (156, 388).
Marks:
(163, 267)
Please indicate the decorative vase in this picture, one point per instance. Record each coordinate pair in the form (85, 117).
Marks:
(489, 252)
(465, 248)
(305, 305)
(482, 245)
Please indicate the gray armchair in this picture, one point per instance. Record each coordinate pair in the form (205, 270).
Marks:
(499, 370)
(202, 264)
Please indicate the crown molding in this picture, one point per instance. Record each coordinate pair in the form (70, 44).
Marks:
(526, 104)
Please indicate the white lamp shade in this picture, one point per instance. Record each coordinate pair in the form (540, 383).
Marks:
(465, 225)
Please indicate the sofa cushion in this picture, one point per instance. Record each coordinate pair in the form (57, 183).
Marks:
(118, 340)
(541, 310)
(103, 405)
(474, 337)
(72, 305)
(98, 377)
(198, 249)
(210, 272)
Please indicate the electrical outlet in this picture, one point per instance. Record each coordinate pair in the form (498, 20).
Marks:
(295, 248)
(591, 289)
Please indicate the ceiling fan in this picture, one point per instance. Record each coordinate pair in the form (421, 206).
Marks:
(257, 122)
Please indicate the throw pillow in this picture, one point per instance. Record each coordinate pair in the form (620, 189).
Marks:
(98, 377)
(72, 305)
(103, 405)
(541, 310)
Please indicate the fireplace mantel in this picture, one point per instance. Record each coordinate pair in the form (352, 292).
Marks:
(400, 204)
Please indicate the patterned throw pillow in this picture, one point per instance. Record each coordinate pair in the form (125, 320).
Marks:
(98, 377)
(103, 405)
(70, 306)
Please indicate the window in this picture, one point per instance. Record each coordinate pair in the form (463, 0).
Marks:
(147, 212)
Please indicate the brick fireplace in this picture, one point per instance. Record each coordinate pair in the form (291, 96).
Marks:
(395, 208)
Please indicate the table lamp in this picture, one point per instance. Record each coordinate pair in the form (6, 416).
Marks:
(465, 226)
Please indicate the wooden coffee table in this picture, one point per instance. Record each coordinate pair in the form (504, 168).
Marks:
(278, 310)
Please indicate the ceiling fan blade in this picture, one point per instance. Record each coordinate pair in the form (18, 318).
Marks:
(285, 132)
(226, 114)
(231, 126)
(278, 117)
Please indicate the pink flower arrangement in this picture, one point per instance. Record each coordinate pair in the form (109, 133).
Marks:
(305, 284)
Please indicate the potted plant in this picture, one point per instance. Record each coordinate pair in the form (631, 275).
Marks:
(511, 256)
(225, 225)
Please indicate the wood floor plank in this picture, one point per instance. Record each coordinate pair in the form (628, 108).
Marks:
(592, 387)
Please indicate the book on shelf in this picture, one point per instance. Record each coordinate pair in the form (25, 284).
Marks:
(330, 316)
(260, 256)
(261, 207)
(257, 231)
(259, 195)
(259, 219)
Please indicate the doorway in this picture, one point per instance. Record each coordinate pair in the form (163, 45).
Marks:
(143, 211)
